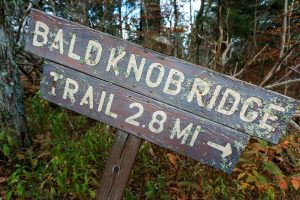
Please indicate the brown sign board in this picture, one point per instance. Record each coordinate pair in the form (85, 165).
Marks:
(196, 90)
(147, 118)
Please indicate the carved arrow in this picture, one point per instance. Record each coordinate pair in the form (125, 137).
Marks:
(226, 150)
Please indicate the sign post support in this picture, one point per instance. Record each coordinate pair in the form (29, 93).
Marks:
(119, 165)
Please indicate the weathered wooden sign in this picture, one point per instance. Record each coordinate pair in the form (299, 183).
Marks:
(147, 118)
(159, 78)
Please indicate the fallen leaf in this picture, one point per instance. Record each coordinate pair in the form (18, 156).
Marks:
(237, 170)
(283, 184)
(279, 158)
(172, 158)
(295, 180)
(34, 162)
(20, 156)
(44, 154)
(286, 142)
(243, 186)
(241, 175)
(3, 179)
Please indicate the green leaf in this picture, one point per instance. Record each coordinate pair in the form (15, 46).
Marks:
(2, 136)
(92, 194)
(14, 178)
(20, 189)
(10, 140)
(77, 187)
(6, 150)
(8, 195)
(60, 181)
(261, 179)
(251, 179)
(272, 168)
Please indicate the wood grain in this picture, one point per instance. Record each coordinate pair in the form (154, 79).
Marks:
(118, 167)
(201, 151)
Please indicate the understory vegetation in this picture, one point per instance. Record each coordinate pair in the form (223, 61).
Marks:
(69, 153)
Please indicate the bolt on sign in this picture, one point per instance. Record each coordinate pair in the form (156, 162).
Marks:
(194, 111)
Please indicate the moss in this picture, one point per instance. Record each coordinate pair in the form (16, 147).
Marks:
(239, 145)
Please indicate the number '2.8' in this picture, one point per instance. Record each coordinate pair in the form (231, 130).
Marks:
(156, 125)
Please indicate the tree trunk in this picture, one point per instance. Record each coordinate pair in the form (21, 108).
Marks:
(197, 30)
(151, 28)
(150, 21)
(12, 117)
(151, 16)
(176, 14)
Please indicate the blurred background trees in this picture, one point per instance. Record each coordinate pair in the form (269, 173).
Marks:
(257, 41)
(254, 40)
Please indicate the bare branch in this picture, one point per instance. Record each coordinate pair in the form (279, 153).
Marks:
(277, 65)
(250, 62)
(282, 83)
(227, 53)
(295, 125)
(292, 69)
(283, 40)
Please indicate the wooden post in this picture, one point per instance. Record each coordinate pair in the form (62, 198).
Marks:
(124, 150)
(118, 167)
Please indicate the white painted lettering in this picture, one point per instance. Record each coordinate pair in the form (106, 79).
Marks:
(101, 102)
(71, 54)
(88, 98)
(113, 61)
(108, 107)
(38, 32)
(236, 96)
(214, 97)
(185, 133)
(269, 115)
(176, 83)
(251, 116)
(132, 65)
(200, 88)
(93, 47)
(68, 91)
(56, 76)
(159, 77)
(58, 42)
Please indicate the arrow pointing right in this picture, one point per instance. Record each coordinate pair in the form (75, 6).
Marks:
(226, 151)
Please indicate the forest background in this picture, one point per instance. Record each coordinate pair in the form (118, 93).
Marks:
(49, 152)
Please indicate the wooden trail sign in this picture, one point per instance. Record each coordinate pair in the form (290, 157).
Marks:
(199, 91)
(191, 110)
(147, 118)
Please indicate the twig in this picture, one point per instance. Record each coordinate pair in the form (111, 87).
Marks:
(295, 125)
(70, 122)
(23, 21)
(283, 39)
(250, 62)
(293, 69)
(282, 83)
(26, 74)
(278, 64)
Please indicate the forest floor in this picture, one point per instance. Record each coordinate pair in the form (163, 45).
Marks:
(69, 151)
